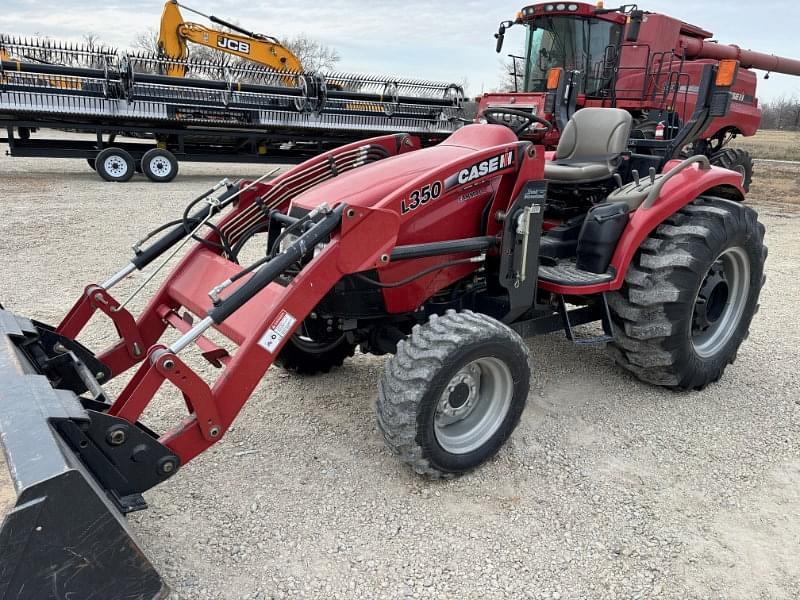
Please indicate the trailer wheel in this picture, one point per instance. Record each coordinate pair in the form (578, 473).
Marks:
(735, 159)
(453, 393)
(24, 133)
(690, 295)
(115, 164)
(159, 166)
(309, 357)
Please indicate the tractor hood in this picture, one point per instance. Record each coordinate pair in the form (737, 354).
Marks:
(369, 184)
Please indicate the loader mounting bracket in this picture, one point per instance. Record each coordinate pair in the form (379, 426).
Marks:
(125, 458)
(62, 359)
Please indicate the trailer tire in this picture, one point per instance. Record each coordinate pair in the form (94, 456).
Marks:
(453, 394)
(159, 165)
(735, 159)
(306, 357)
(690, 295)
(115, 165)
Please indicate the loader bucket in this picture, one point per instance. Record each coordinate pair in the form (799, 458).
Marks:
(64, 537)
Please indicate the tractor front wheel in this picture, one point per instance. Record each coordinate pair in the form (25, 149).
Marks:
(690, 295)
(453, 393)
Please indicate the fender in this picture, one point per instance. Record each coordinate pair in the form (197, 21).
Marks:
(681, 190)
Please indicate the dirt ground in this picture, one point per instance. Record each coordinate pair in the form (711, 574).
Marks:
(610, 488)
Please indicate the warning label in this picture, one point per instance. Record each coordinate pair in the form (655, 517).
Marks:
(280, 327)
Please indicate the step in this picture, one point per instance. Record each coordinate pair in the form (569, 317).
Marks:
(566, 273)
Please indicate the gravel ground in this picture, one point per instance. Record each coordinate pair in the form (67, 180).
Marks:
(610, 488)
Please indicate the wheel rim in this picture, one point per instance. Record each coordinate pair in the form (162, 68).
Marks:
(720, 302)
(160, 166)
(116, 166)
(473, 405)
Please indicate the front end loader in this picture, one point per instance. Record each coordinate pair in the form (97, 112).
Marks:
(443, 257)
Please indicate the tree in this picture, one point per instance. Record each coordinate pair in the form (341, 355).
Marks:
(313, 55)
(512, 73)
(781, 113)
(146, 41)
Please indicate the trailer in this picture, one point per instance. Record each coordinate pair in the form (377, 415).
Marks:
(142, 120)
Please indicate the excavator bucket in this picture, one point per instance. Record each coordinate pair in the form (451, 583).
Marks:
(64, 537)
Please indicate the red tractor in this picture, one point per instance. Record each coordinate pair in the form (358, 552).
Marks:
(445, 257)
(579, 55)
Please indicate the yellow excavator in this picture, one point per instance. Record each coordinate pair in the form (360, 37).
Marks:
(176, 33)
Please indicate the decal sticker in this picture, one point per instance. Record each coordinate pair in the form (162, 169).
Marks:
(470, 195)
(481, 169)
(421, 197)
(235, 45)
(280, 327)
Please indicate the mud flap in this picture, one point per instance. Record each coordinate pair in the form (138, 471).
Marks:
(64, 538)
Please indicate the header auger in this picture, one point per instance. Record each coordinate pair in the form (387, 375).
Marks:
(445, 257)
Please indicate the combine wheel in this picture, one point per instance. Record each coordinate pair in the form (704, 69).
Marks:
(453, 393)
(737, 160)
(115, 164)
(690, 295)
(306, 356)
(160, 166)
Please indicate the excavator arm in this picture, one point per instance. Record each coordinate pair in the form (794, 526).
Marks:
(175, 34)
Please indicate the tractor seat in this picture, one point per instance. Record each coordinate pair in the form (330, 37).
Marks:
(590, 146)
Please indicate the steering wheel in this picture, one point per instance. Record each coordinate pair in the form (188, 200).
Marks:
(494, 116)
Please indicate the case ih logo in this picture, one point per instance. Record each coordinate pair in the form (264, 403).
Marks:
(235, 45)
(481, 169)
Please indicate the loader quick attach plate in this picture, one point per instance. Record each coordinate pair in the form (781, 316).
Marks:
(64, 537)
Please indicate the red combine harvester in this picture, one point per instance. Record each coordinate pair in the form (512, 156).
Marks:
(446, 257)
(578, 55)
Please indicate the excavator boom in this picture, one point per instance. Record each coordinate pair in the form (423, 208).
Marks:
(175, 34)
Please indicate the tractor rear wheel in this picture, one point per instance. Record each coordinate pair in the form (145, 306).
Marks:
(690, 295)
(453, 393)
(735, 159)
(307, 356)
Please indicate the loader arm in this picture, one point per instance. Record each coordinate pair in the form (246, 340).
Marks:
(175, 34)
(69, 443)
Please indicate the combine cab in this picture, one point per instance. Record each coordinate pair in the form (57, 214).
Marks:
(444, 257)
(578, 55)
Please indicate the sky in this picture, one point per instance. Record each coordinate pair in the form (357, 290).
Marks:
(449, 41)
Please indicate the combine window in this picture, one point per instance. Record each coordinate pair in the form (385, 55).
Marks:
(574, 44)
